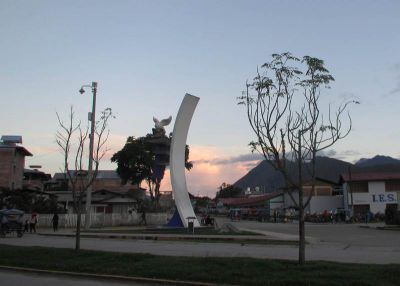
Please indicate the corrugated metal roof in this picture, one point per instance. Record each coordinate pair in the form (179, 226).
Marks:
(249, 200)
(371, 176)
(101, 175)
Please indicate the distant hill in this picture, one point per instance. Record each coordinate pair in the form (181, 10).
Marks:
(378, 163)
(378, 160)
(265, 176)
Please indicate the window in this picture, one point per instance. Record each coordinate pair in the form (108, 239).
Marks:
(323, 191)
(359, 187)
(361, 209)
(393, 185)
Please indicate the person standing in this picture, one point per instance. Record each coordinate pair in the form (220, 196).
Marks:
(54, 220)
(143, 220)
(32, 223)
(26, 225)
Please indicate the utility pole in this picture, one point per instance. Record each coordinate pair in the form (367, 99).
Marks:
(92, 118)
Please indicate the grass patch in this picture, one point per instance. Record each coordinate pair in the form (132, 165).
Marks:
(183, 234)
(236, 271)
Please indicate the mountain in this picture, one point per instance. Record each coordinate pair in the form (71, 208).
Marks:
(378, 160)
(264, 175)
(378, 163)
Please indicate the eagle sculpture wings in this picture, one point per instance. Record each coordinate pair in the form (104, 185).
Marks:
(159, 124)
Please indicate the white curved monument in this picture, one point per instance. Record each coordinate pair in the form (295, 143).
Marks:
(177, 159)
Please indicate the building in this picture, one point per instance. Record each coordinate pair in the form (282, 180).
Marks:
(35, 180)
(327, 196)
(269, 202)
(371, 191)
(105, 180)
(12, 162)
(109, 195)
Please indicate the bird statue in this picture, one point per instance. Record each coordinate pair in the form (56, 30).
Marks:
(159, 124)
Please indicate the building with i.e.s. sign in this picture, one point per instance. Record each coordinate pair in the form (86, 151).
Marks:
(371, 191)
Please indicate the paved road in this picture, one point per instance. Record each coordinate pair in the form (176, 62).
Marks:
(341, 243)
(11, 278)
(348, 234)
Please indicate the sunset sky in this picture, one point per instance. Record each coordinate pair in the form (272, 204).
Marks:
(145, 55)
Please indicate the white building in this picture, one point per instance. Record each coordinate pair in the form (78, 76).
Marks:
(327, 196)
(371, 191)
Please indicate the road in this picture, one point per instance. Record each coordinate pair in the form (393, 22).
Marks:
(348, 234)
(341, 243)
(11, 278)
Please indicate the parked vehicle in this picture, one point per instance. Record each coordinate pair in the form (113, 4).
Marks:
(11, 221)
(207, 221)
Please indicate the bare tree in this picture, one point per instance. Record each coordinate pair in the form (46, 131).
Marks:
(285, 113)
(72, 140)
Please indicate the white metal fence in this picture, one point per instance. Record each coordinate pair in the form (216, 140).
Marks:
(103, 220)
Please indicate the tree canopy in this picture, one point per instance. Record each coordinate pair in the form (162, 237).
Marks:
(284, 109)
(141, 160)
(228, 191)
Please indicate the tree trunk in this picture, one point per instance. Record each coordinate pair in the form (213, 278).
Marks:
(302, 237)
(157, 193)
(78, 231)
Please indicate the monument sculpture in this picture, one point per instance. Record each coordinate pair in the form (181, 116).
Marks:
(159, 125)
(177, 160)
(160, 146)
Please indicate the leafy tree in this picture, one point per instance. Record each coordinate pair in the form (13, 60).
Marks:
(285, 113)
(28, 201)
(137, 162)
(228, 191)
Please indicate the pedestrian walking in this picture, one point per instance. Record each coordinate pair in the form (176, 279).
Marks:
(143, 218)
(54, 220)
(26, 225)
(33, 222)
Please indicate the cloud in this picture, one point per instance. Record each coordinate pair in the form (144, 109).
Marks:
(396, 69)
(231, 160)
(341, 155)
(212, 167)
(396, 89)
(40, 151)
(114, 143)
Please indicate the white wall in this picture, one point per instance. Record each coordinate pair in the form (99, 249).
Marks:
(376, 198)
(318, 204)
(276, 203)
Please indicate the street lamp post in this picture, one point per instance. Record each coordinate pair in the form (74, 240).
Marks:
(92, 116)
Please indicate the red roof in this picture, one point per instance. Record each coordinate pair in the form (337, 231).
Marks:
(371, 176)
(248, 200)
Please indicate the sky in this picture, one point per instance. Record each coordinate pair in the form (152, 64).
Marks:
(145, 55)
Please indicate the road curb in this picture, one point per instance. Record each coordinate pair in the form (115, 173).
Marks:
(107, 277)
(238, 239)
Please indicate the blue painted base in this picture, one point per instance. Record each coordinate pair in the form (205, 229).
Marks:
(175, 221)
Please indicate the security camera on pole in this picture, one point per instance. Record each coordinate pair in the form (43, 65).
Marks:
(91, 117)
